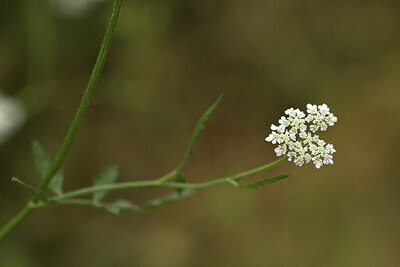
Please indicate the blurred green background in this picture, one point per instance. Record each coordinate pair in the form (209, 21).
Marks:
(169, 61)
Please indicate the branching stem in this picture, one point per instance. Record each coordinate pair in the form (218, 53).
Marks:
(94, 77)
(39, 200)
(155, 183)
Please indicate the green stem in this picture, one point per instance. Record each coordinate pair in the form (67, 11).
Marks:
(156, 183)
(94, 77)
(15, 221)
(109, 187)
(82, 202)
(90, 203)
(105, 45)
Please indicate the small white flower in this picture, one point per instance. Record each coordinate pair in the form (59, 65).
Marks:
(291, 112)
(331, 119)
(298, 140)
(303, 135)
(323, 109)
(271, 138)
(300, 114)
(321, 142)
(323, 126)
(330, 149)
(280, 150)
(320, 118)
(307, 157)
(328, 160)
(318, 163)
(283, 121)
(312, 109)
(280, 128)
(313, 128)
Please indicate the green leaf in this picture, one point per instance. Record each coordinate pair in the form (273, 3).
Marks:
(200, 125)
(41, 159)
(168, 199)
(264, 182)
(107, 176)
(180, 179)
(56, 183)
(43, 163)
(195, 134)
(121, 205)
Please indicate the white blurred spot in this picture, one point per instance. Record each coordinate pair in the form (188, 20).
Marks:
(74, 8)
(12, 116)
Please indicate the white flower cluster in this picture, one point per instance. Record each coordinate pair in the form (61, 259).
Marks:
(295, 135)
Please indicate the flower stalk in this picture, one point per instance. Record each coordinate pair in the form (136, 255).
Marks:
(154, 183)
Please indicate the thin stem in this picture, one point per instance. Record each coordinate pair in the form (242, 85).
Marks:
(15, 221)
(109, 187)
(101, 57)
(259, 169)
(228, 180)
(90, 203)
(82, 202)
(156, 183)
(105, 45)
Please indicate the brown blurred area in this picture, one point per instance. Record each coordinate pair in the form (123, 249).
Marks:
(169, 61)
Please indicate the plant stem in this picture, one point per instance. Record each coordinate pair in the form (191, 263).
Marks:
(82, 202)
(15, 221)
(90, 203)
(109, 187)
(156, 183)
(94, 77)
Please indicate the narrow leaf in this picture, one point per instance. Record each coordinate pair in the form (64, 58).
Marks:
(57, 183)
(180, 179)
(41, 159)
(264, 182)
(121, 205)
(168, 199)
(199, 126)
(43, 163)
(25, 185)
(107, 176)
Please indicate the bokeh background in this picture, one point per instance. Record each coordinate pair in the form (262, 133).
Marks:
(169, 61)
